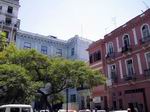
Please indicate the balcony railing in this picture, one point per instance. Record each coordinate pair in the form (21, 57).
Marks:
(145, 39)
(7, 24)
(111, 55)
(147, 72)
(130, 77)
(126, 48)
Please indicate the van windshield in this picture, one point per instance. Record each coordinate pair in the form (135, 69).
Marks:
(2, 109)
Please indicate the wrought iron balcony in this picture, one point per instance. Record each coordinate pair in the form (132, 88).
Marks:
(147, 72)
(111, 55)
(126, 48)
(145, 39)
(130, 77)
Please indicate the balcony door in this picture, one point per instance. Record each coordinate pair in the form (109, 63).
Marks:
(147, 55)
(129, 67)
(145, 31)
(126, 41)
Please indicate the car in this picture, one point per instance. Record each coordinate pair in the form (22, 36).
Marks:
(85, 110)
(46, 110)
(99, 110)
(16, 108)
(119, 111)
(63, 110)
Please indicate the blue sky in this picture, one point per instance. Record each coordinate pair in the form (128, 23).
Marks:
(91, 19)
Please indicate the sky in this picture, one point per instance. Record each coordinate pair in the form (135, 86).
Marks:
(91, 19)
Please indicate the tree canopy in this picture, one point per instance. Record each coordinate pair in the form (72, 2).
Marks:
(24, 72)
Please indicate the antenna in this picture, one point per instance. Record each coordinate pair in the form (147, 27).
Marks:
(147, 7)
(114, 21)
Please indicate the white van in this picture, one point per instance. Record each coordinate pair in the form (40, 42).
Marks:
(16, 108)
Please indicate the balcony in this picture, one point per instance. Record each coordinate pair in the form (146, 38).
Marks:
(10, 25)
(145, 39)
(147, 72)
(130, 77)
(10, 14)
(126, 49)
(111, 55)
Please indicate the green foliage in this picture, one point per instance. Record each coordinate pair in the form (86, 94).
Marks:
(2, 41)
(24, 72)
(15, 84)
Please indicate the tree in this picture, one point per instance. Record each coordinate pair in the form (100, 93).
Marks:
(16, 81)
(35, 71)
(3, 40)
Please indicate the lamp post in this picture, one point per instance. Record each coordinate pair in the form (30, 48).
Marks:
(67, 99)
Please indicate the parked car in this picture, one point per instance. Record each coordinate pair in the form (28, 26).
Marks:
(63, 110)
(85, 110)
(16, 108)
(46, 110)
(99, 110)
(119, 111)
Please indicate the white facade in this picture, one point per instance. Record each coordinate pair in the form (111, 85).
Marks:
(74, 48)
(9, 22)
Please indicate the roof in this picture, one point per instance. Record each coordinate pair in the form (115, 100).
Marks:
(15, 105)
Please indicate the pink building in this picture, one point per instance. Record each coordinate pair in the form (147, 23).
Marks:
(125, 58)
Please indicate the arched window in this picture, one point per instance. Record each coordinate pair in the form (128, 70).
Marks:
(145, 31)
(126, 40)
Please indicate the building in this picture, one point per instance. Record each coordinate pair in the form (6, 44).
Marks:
(74, 49)
(96, 61)
(126, 64)
(9, 22)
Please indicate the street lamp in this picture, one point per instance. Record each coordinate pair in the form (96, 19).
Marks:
(67, 99)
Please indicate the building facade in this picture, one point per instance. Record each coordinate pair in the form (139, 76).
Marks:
(126, 64)
(9, 22)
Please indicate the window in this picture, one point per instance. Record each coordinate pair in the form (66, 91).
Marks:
(14, 109)
(0, 7)
(25, 110)
(126, 41)
(8, 21)
(59, 52)
(129, 65)
(73, 98)
(148, 59)
(44, 49)
(27, 45)
(113, 72)
(97, 56)
(10, 9)
(145, 31)
(72, 51)
(110, 48)
(2, 109)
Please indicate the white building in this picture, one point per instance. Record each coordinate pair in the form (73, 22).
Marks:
(9, 21)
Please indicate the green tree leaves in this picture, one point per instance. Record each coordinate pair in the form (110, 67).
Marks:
(24, 72)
